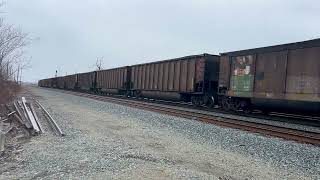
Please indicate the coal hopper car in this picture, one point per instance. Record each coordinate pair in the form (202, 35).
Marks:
(60, 82)
(86, 81)
(41, 83)
(283, 77)
(191, 78)
(114, 81)
(70, 81)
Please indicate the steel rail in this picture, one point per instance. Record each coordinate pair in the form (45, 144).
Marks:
(304, 120)
(273, 116)
(51, 120)
(264, 129)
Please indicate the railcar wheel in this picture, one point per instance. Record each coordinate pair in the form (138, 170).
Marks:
(235, 105)
(265, 112)
(200, 101)
(137, 94)
(226, 104)
(127, 94)
(208, 101)
(247, 110)
(194, 101)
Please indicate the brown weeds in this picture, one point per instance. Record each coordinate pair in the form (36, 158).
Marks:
(8, 90)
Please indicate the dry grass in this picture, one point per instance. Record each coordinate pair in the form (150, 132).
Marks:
(8, 90)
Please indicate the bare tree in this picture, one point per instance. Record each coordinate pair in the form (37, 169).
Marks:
(99, 64)
(12, 59)
(12, 42)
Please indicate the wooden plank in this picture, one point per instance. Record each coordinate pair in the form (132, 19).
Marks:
(30, 116)
(24, 113)
(51, 120)
(2, 141)
(21, 116)
(2, 136)
(36, 117)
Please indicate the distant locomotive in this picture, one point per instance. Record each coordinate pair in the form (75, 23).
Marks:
(276, 78)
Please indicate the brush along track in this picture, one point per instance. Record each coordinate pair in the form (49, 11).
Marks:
(265, 129)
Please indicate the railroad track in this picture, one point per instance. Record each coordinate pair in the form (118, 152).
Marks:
(51, 122)
(311, 121)
(300, 136)
(272, 116)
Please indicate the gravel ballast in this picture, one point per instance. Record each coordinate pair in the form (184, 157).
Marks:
(107, 141)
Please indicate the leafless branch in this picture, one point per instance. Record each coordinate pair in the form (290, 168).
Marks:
(99, 64)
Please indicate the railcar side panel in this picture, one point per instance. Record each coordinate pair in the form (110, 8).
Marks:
(270, 75)
(242, 76)
(285, 77)
(165, 76)
(184, 75)
(303, 74)
(200, 69)
(60, 82)
(139, 77)
(156, 77)
(177, 76)
(171, 76)
(224, 74)
(133, 76)
(143, 78)
(86, 80)
(147, 83)
(191, 75)
(112, 80)
(160, 81)
(151, 76)
(70, 81)
(177, 72)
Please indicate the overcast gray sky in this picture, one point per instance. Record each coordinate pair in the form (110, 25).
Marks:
(73, 33)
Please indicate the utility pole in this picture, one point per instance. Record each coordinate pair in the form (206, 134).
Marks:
(56, 73)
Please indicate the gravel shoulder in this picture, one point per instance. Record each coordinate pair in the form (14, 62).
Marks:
(109, 141)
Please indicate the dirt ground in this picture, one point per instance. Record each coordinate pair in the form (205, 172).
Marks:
(16, 137)
(108, 141)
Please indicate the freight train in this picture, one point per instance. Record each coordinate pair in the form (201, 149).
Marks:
(275, 78)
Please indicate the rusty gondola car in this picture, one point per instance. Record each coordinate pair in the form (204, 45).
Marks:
(283, 77)
(191, 78)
